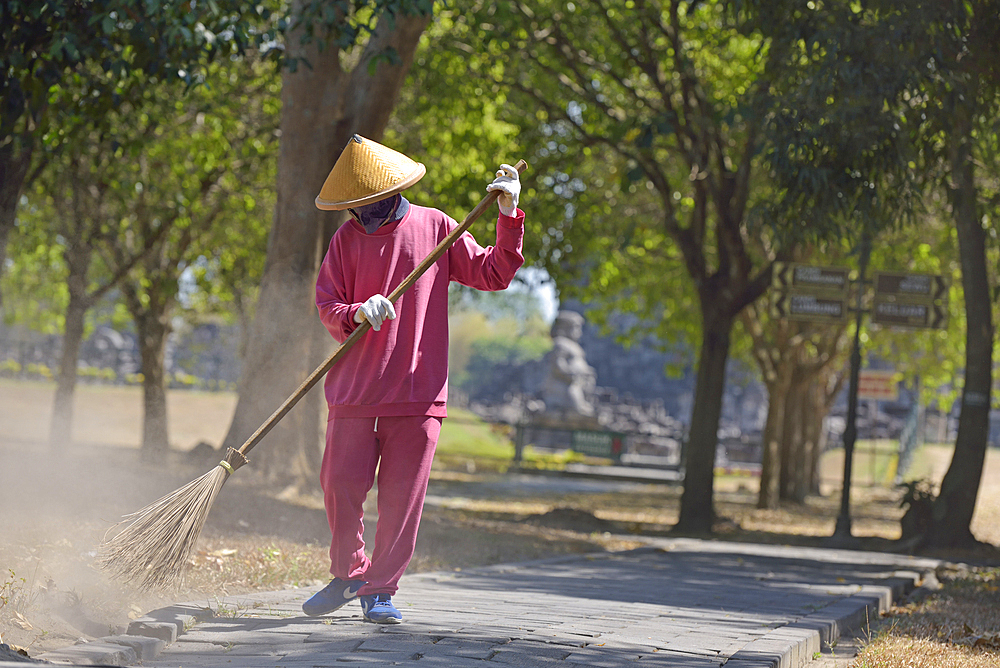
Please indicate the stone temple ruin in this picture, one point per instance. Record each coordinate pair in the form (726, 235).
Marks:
(560, 394)
(566, 387)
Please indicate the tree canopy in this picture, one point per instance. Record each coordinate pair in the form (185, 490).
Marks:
(93, 57)
(643, 139)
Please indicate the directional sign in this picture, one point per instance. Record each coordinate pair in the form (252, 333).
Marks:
(910, 300)
(815, 308)
(909, 314)
(924, 288)
(790, 276)
(806, 292)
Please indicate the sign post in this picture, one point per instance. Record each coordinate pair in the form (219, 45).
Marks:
(820, 294)
(842, 530)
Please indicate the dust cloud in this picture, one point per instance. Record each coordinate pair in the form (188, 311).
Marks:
(56, 505)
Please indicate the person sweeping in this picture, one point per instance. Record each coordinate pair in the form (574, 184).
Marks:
(150, 547)
(388, 395)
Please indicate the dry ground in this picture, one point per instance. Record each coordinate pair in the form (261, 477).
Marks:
(958, 627)
(56, 506)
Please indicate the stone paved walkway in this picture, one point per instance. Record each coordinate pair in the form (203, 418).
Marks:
(682, 602)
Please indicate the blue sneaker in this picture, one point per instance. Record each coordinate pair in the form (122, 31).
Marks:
(335, 595)
(378, 608)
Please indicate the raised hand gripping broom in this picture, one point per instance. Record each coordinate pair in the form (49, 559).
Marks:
(157, 541)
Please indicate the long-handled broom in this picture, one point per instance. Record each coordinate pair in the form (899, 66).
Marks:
(157, 541)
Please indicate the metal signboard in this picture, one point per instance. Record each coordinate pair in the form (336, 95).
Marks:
(909, 314)
(878, 385)
(806, 292)
(598, 443)
(910, 300)
(791, 276)
(924, 288)
(815, 308)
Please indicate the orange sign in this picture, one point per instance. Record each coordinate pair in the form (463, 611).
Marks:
(878, 385)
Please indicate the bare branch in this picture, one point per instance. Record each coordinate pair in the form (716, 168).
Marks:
(752, 291)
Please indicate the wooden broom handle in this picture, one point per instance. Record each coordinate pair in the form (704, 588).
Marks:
(364, 326)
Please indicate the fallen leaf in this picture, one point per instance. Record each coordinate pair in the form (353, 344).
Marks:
(22, 622)
(987, 640)
(21, 651)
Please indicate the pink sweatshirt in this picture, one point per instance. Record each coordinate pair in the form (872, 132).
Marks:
(402, 369)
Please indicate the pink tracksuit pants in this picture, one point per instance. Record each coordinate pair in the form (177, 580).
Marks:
(401, 449)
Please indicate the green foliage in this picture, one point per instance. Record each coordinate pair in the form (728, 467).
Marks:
(859, 101)
(517, 304)
(33, 283)
(102, 44)
(15, 594)
(622, 113)
(198, 188)
(41, 371)
(874, 93)
(93, 374)
(935, 357)
(182, 182)
(547, 460)
(450, 121)
(490, 352)
(489, 330)
(228, 261)
(831, 69)
(343, 24)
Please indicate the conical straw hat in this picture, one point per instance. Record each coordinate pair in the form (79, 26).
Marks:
(366, 172)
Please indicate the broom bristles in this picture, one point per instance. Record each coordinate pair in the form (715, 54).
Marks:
(152, 550)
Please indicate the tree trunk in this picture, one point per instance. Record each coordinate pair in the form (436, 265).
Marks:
(697, 513)
(61, 424)
(954, 507)
(153, 328)
(322, 106)
(802, 481)
(15, 158)
(277, 355)
(770, 472)
(152, 323)
(817, 413)
(309, 453)
(790, 438)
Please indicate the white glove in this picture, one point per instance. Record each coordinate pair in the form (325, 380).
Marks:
(375, 310)
(509, 185)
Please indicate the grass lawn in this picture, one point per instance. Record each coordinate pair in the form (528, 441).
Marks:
(468, 442)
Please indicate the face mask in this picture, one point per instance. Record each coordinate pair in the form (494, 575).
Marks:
(377, 214)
